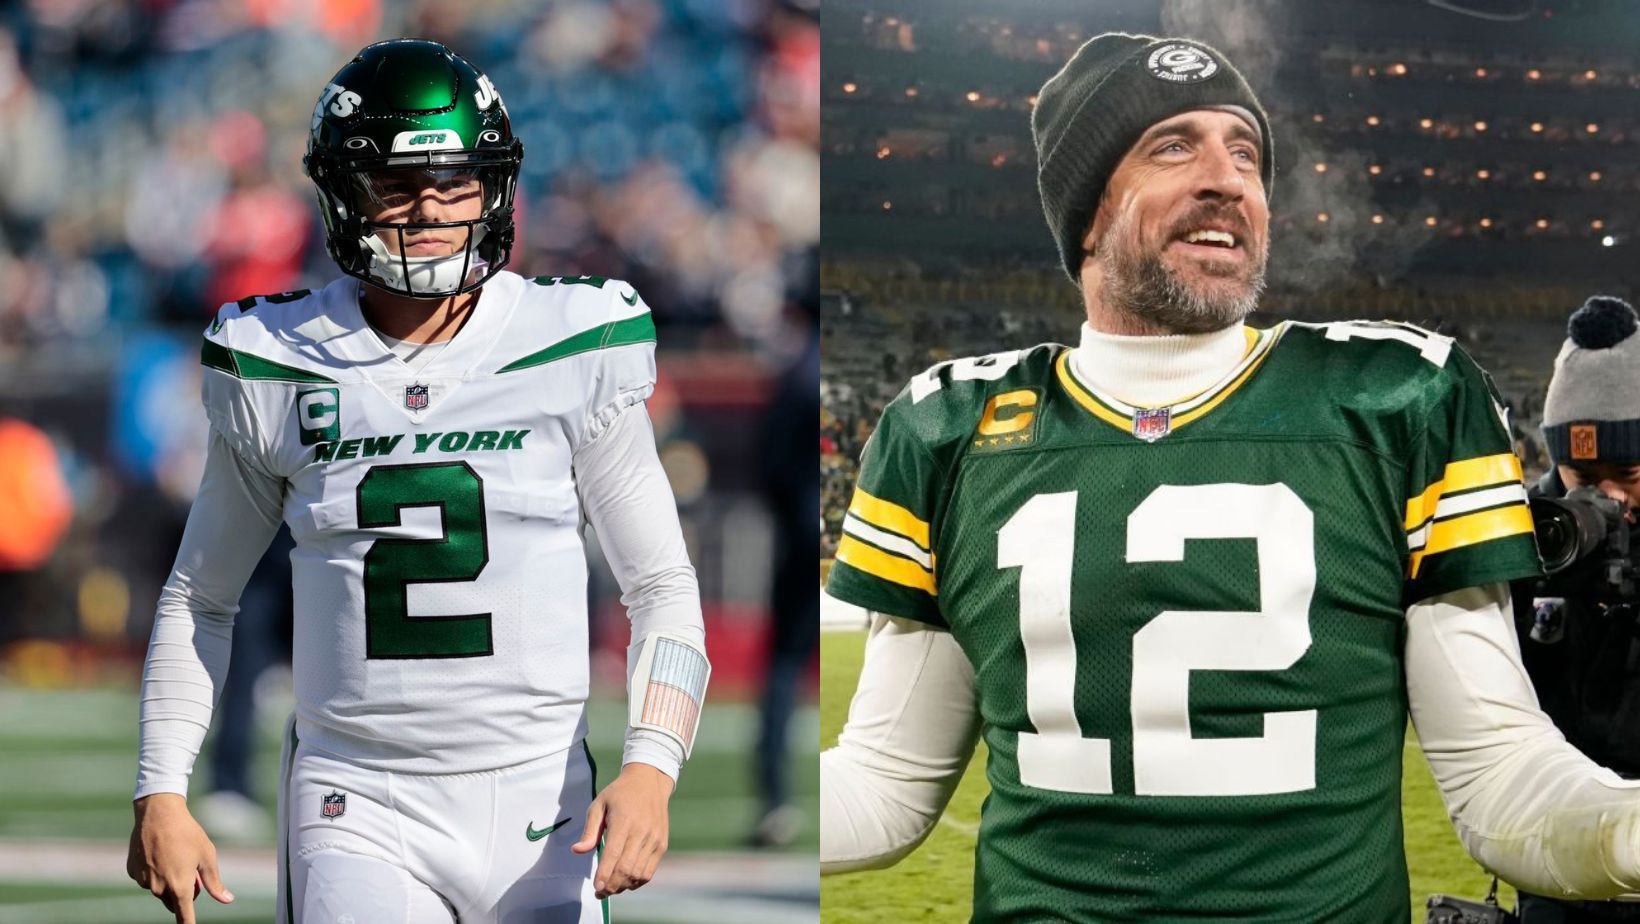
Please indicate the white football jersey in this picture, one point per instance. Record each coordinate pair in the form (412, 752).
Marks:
(439, 570)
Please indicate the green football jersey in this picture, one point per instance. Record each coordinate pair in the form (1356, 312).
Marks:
(1186, 623)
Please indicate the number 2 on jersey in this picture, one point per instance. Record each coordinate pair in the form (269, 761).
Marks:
(392, 565)
(1167, 760)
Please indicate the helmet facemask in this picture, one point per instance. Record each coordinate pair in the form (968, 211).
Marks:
(395, 195)
(370, 202)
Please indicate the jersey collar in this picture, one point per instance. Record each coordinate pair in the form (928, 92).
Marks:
(1120, 414)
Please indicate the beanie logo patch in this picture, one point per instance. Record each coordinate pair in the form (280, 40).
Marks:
(1584, 445)
(1177, 62)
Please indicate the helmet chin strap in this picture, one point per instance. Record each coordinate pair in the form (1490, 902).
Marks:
(428, 275)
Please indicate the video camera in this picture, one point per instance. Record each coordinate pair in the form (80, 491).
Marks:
(1586, 543)
(1588, 550)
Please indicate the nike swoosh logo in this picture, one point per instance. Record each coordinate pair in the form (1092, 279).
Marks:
(630, 298)
(534, 835)
(216, 324)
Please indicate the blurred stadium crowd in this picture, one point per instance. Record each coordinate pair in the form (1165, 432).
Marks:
(154, 171)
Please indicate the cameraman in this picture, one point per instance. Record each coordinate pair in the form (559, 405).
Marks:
(1578, 627)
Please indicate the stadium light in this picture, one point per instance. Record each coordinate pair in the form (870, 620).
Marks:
(1608, 241)
(1372, 120)
(1377, 219)
(1533, 74)
(1320, 167)
(1480, 72)
(1375, 169)
(884, 152)
(1537, 126)
(887, 205)
(1594, 176)
(911, 92)
(1426, 123)
(1592, 127)
(1398, 69)
(1430, 221)
(1541, 223)
(1590, 74)
(850, 87)
(1318, 118)
(1597, 224)
(1480, 125)
(1429, 171)
(1486, 222)
(1323, 217)
(973, 96)
(1483, 174)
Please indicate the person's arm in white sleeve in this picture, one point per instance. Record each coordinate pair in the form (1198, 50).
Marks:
(233, 518)
(629, 501)
(911, 731)
(1527, 805)
(630, 504)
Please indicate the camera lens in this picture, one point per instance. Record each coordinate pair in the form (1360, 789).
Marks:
(1568, 529)
(1556, 536)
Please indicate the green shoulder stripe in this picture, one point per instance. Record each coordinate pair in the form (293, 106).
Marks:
(245, 366)
(638, 329)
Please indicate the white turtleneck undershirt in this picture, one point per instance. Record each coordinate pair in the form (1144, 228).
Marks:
(1156, 371)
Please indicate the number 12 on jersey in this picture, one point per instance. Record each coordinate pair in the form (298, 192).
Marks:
(1167, 760)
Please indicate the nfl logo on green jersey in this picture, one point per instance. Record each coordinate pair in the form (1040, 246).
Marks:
(1151, 424)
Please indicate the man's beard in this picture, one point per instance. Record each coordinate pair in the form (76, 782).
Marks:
(1137, 283)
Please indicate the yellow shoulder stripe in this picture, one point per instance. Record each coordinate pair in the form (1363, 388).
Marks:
(1471, 529)
(1466, 475)
(878, 563)
(890, 516)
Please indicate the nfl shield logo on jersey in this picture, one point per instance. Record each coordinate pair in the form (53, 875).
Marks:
(1151, 424)
(415, 397)
(334, 805)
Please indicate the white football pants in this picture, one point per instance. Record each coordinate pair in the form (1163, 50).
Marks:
(360, 846)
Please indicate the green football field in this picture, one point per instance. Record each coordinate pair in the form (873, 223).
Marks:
(68, 762)
(935, 881)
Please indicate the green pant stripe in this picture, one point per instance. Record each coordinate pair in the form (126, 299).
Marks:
(284, 795)
(600, 854)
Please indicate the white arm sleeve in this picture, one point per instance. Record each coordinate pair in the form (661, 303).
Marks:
(910, 734)
(1527, 805)
(629, 502)
(233, 519)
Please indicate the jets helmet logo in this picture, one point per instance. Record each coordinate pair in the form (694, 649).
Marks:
(1178, 62)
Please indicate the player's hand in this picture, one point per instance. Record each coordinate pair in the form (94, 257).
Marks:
(171, 856)
(630, 814)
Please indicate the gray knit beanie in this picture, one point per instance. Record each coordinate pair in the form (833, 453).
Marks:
(1592, 412)
(1115, 87)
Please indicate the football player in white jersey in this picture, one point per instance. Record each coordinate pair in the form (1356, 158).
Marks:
(435, 431)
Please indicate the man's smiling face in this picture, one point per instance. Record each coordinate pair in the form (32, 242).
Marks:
(1181, 236)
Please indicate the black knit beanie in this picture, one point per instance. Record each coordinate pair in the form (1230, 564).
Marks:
(1592, 411)
(1114, 88)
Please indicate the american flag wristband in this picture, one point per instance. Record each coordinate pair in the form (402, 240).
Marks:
(668, 687)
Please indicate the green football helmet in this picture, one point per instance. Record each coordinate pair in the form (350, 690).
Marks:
(403, 117)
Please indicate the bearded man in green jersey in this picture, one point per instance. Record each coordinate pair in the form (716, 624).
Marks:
(1189, 578)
